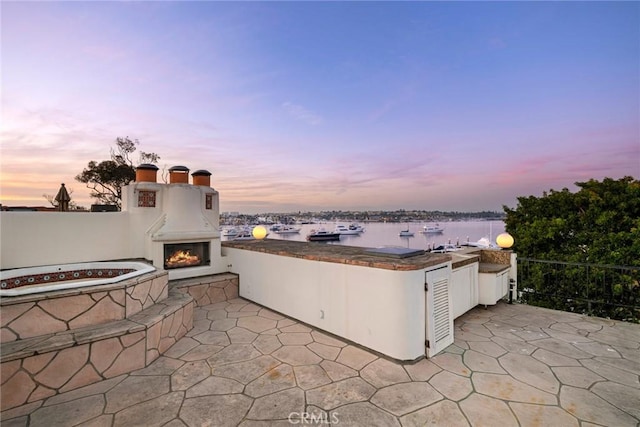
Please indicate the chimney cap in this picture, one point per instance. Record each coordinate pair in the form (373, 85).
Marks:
(147, 166)
(201, 172)
(178, 169)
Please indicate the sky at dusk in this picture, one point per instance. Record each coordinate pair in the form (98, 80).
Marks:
(325, 105)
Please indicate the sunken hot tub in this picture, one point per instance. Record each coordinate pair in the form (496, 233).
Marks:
(24, 281)
(45, 300)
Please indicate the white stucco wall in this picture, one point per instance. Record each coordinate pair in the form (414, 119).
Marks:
(380, 309)
(29, 239)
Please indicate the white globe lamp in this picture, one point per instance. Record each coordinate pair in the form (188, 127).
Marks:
(259, 232)
(504, 240)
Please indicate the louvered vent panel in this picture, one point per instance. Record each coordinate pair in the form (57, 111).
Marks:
(441, 309)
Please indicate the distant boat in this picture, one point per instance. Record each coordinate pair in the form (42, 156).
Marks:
(447, 247)
(356, 227)
(484, 242)
(287, 229)
(322, 235)
(405, 233)
(343, 229)
(432, 229)
(230, 232)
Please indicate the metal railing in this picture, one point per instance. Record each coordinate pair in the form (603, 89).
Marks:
(609, 291)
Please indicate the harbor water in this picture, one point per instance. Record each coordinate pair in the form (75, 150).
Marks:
(380, 234)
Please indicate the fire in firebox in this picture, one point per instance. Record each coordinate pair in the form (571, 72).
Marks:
(186, 255)
(182, 259)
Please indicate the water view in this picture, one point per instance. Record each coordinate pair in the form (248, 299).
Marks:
(379, 234)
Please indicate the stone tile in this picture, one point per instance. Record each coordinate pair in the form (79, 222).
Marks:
(189, 374)
(530, 371)
(571, 338)
(234, 353)
(355, 357)
(201, 352)
(485, 411)
(279, 378)
(269, 423)
(452, 363)
(267, 344)
(443, 413)
(241, 335)
(326, 339)
(235, 307)
(298, 327)
(337, 371)
(154, 412)
(489, 348)
(213, 338)
(340, 393)
(422, 370)
(223, 325)
(476, 329)
(576, 376)
(181, 347)
(542, 415)
(362, 414)
(101, 421)
(507, 388)
(621, 396)
(562, 348)
(296, 355)
(382, 373)
(19, 413)
(400, 399)
(216, 314)
(469, 336)
(631, 366)
(295, 338)
(597, 349)
(64, 366)
(553, 359)
(325, 351)
(589, 407)
(135, 389)
(266, 313)
(199, 326)
(213, 386)
(218, 411)
(89, 390)
(68, 413)
(246, 371)
(311, 376)
(454, 387)
(160, 366)
(256, 323)
(611, 373)
(286, 322)
(479, 362)
(514, 346)
(238, 314)
(17, 390)
(277, 405)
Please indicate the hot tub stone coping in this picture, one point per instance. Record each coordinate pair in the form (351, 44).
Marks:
(127, 283)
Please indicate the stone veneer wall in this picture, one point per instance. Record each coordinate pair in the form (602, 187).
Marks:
(47, 313)
(209, 289)
(36, 368)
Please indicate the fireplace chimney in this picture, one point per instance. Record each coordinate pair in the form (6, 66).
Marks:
(178, 175)
(202, 177)
(146, 172)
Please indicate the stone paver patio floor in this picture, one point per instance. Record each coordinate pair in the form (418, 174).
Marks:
(241, 364)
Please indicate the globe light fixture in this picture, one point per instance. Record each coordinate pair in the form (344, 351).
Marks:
(259, 232)
(504, 240)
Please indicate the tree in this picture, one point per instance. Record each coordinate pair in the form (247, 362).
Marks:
(598, 224)
(580, 251)
(106, 179)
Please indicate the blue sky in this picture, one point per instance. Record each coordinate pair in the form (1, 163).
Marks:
(325, 105)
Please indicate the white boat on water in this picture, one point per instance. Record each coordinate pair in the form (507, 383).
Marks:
(432, 229)
(356, 227)
(406, 233)
(231, 232)
(287, 229)
(343, 229)
(447, 247)
(484, 242)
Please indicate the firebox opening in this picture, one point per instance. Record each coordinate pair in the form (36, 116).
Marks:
(180, 255)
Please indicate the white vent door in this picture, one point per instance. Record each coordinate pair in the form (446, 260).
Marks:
(439, 310)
